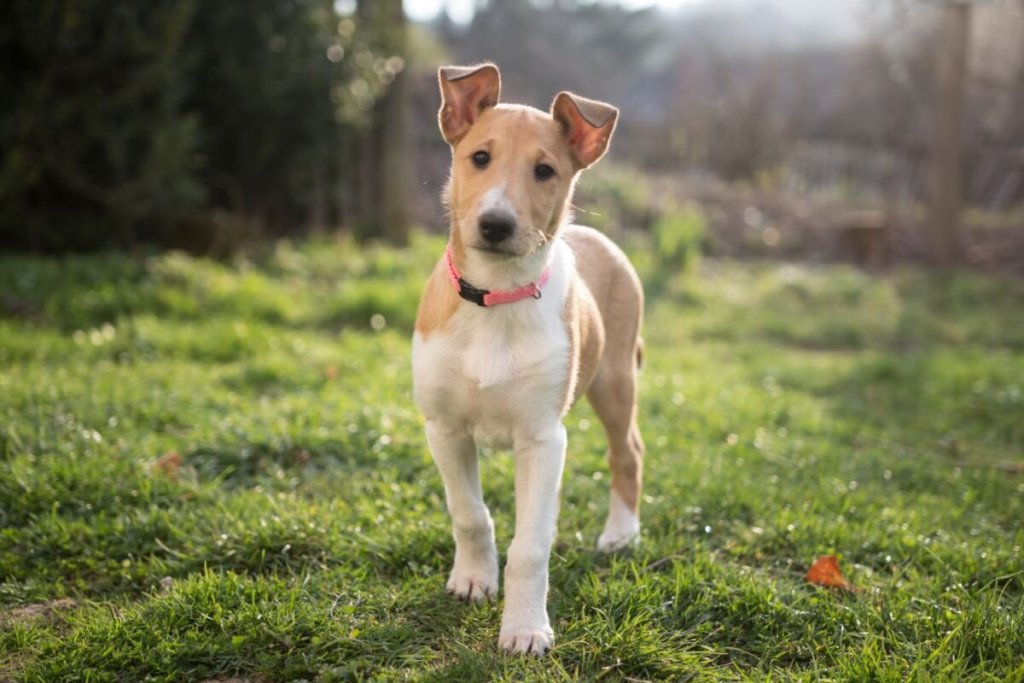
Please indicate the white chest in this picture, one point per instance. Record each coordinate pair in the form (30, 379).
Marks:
(496, 371)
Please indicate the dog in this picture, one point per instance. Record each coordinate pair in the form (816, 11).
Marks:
(522, 315)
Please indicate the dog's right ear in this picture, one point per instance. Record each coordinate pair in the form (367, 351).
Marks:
(466, 91)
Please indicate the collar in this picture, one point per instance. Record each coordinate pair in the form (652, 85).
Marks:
(484, 297)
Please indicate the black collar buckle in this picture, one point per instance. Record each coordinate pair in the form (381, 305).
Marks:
(471, 293)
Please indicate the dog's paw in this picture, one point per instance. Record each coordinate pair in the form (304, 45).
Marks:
(473, 586)
(616, 538)
(527, 642)
(621, 528)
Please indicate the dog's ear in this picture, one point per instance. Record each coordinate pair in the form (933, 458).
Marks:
(466, 91)
(587, 125)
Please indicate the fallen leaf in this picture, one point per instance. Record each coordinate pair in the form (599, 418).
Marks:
(825, 572)
(167, 464)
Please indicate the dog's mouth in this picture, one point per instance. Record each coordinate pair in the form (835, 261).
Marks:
(493, 250)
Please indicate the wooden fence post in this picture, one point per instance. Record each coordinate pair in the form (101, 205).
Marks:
(945, 175)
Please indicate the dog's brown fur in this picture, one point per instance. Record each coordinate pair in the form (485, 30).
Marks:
(600, 317)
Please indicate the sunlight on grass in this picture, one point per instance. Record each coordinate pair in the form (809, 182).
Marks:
(789, 411)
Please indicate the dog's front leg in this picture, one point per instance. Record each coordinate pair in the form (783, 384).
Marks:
(539, 459)
(475, 571)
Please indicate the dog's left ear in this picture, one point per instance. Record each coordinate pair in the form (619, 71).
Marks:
(587, 124)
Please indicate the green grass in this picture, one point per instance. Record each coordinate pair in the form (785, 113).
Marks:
(789, 411)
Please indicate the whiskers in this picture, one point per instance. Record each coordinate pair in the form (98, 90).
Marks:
(454, 217)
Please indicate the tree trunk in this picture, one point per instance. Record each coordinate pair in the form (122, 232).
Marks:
(385, 164)
(395, 160)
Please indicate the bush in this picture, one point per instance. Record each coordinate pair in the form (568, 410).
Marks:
(678, 236)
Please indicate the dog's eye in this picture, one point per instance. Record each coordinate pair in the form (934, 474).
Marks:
(481, 159)
(543, 171)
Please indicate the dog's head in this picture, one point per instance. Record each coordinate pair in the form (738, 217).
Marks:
(514, 167)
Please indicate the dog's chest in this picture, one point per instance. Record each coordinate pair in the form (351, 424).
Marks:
(493, 372)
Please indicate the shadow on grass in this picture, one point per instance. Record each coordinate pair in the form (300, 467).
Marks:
(133, 552)
(843, 309)
(325, 286)
(332, 626)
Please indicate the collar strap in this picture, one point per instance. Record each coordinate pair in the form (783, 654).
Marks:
(484, 297)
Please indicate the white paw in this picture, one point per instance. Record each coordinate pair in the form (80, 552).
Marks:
(473, 586)
(622, 527)
(527, 642)
(617, 539)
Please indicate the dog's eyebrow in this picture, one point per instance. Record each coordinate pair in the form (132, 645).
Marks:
(545, 153)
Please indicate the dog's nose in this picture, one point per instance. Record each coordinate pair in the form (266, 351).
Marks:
(496, 227)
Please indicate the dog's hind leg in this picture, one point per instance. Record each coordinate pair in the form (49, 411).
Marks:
(613, 396)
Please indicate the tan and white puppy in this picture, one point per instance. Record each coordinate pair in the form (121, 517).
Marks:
(563, 320)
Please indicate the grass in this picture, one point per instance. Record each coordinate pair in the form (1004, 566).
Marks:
(789, 411)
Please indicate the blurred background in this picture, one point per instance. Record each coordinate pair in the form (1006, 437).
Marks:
(865, 131)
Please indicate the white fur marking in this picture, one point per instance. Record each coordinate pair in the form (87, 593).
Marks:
(498, 376)
(524, 343)
(495, 199)
(622, 527)
(475, 571)
(524, 623)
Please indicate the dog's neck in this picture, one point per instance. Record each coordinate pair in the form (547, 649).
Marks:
(486, 271)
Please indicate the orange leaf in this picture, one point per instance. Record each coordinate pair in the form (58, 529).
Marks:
(167, 464)
(825, 572)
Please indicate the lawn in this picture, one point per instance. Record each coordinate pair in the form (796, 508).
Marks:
(211, 470)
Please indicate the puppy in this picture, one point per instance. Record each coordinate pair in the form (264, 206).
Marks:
(523, 314)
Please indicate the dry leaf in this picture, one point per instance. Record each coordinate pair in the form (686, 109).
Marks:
(825, 572)
(167, 464)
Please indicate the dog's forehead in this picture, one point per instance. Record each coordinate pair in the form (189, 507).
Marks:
(519, 125)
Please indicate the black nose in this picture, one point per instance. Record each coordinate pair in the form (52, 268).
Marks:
(496, 227)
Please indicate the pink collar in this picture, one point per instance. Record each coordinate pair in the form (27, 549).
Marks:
(484, 297)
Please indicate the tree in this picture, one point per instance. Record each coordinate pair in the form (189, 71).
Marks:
(382, 155)
(96, 145)
(277, 84)
(129, 120)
